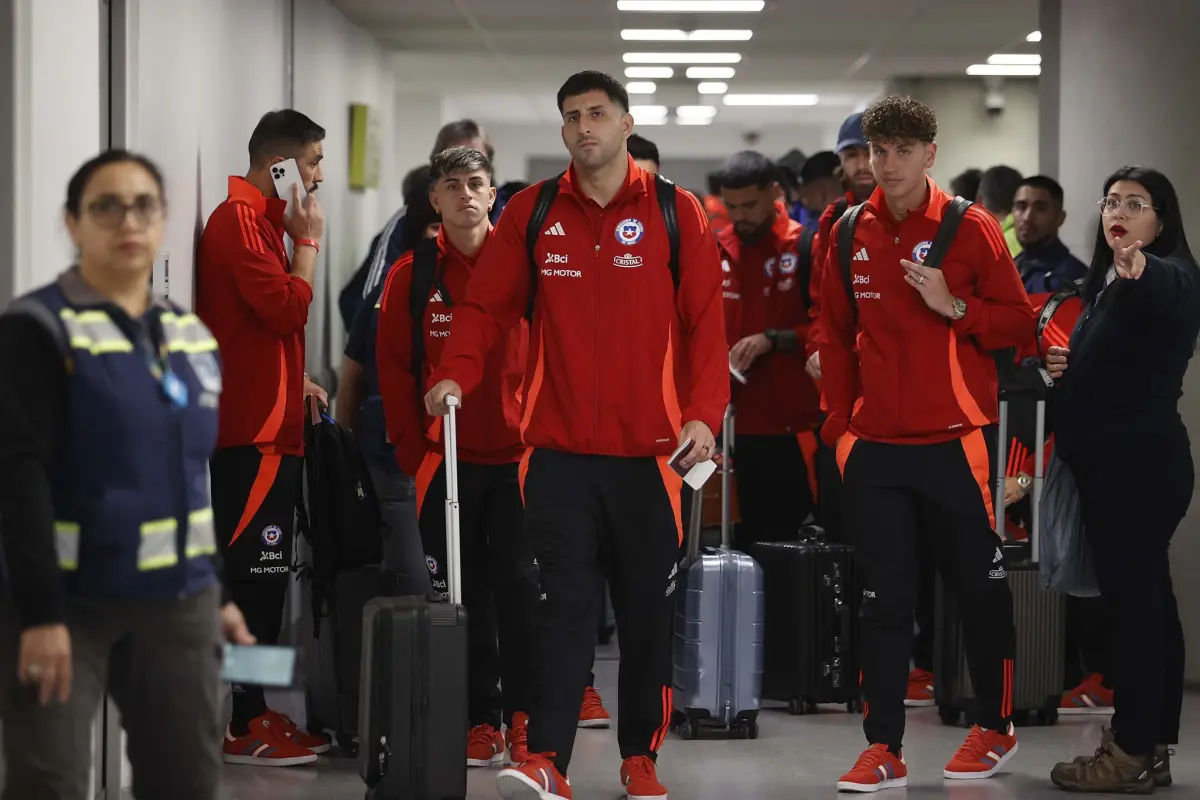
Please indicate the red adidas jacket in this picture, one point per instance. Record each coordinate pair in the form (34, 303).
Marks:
(1057, 333)
(489, 430)
(760, 293)
(256, 310)
(608, 324)
(923, 378)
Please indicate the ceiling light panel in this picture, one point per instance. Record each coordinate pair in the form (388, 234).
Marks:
(693, 112)
(659, 73)
(1015, 58)
(712, 87)
(676, 35)
(692, 6)
(1005, 70)
(710, 73)
(1034, 37)
(693, 120)
(682, 58)
(641, 87)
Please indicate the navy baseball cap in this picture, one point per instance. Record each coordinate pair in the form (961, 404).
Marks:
(851, 133)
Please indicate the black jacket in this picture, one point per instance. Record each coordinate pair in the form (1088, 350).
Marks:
(1128, 356)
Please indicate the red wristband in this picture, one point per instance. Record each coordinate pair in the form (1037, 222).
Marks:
(309, 243)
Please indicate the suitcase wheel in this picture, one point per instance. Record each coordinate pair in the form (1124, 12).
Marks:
(347, 745)
(949, 715)
(1047, 716)
(854, 706)
(750, 729)
(798, 707)
(688, 729)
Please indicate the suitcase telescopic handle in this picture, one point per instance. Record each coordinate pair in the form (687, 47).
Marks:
(1035, 490)
(726, 475)
(453, 537)
(695, 523)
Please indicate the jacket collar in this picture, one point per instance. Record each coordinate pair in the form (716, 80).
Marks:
(637, 181)
(242, 191)
(446, 247)
(80, 294)
(927, 208)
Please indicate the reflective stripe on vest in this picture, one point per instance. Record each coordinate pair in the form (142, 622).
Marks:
(157, 549)
(95, 332)
(185, 334)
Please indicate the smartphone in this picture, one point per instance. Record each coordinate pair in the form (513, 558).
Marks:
(678, 455)
(259, 665)
(285, 174)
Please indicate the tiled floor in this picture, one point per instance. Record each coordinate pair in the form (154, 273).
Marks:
(794, 758)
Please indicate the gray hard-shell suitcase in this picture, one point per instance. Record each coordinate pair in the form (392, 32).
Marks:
(1040, 617)
(718, 643)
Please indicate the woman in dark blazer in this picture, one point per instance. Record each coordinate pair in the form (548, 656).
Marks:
(1117, 426)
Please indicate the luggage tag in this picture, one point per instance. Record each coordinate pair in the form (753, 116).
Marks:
(175, 389)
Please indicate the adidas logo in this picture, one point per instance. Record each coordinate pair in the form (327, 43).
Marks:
(999, 556)
(437, 297)
(861, 255)
(674, 571)
(556, 230)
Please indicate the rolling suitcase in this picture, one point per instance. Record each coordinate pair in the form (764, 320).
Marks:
(717, 647)
(811, 623)
(1040, 616)
(413, 713)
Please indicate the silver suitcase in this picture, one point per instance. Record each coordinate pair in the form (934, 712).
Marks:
(718, 642)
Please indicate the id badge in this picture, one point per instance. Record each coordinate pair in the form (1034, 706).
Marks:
(175, 389)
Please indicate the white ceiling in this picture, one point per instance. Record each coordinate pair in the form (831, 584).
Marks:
(501, 61)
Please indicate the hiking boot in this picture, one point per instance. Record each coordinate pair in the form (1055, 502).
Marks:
(1161, 773)
(1111, 770)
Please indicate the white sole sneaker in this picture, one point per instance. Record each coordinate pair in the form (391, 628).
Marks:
(592, 724)
(920, 703)
(1086, 711)
(259, 761)
(515, 785)
(871, 788)
(978, 776)
(498, 758)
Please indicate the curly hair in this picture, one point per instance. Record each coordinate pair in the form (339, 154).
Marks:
(899, 119)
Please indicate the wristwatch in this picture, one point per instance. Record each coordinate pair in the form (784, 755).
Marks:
(960, 308)
(772, 337)
(1024, 481)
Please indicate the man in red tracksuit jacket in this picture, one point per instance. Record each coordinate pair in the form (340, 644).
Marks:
(778, 409)
(499, 596)
(255, 301)
(602, 416)
(907, 419)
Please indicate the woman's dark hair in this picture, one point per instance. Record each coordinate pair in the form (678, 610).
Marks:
(83, 176)
(1171, 242)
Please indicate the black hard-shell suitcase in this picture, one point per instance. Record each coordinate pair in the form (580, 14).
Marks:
(1040, 617)
(811, 622)
(413, 712)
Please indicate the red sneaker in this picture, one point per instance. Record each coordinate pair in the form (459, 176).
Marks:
(309, 741)
(1089, 697)
(592, 713)
(640, 779)
(517, 738)
(265, 746)
(875, 769)
(536, 779)
(982, 754)
(920, 689)
(485, 746)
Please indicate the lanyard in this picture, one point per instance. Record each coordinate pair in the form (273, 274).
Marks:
(159, 363)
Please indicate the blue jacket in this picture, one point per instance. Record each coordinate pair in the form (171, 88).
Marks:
(1049, 268)
(133, 518)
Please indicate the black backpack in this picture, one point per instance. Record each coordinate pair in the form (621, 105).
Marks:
(952, 217)
(427, 273)
(548, 190)
(804, 248)
(338, 513)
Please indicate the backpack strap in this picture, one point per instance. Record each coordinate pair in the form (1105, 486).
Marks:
(36, 309)
(1048, 311)
(668, 206)
(952, 217)
(845, 243)
(547, 191)
(804, 264)
(424, 267)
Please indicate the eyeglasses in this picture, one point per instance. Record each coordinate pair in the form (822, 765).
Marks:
(109, 211)
(1133, 207)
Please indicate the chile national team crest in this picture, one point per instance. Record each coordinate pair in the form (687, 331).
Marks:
(630, 231)
(271, 535)
(431, 562)
(787, 263)
(921, 251)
